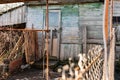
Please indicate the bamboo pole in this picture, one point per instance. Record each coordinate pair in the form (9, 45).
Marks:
(105, 38)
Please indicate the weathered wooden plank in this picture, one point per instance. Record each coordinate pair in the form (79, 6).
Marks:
(94, 28)
(94, 34)
(116, 14)
(118, 36)
(89, 18)
(35, 17)
(91, 23)
(90, 13)
(94, 41)
(116, 7)
(70, 34)
(84, 40)
(112, 56)
(92, 5)
(105, 39)
(12, 17)
(69, 50)
(116, 3)
(116, 10)
(117, 48)
(55, 48)
(29, 46)
(36, 47)
(94, 10)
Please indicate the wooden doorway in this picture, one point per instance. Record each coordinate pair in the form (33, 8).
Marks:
(54, 26)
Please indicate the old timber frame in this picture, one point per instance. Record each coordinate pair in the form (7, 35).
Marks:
(108, 69)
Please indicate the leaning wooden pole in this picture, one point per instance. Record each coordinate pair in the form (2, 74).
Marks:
(112, 44)
(105, 38)
(47, 43)
(111, 17)
(112, 56)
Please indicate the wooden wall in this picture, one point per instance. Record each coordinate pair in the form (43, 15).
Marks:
(116, 13)
(73, 19)
(15, 16)
(91, 16)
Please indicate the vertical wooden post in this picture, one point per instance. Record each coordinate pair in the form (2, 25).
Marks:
(105, 38)
(85, 40)
(111, 17)
(47, 43)
(51, 42)
(112, 56)
(112, 45)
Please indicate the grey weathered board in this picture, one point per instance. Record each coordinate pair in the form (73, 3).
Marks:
(15, 16)
(91, 17)
(69, 50)
(70, 23)
(116, 12)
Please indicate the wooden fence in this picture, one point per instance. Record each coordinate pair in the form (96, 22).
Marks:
(90, 66)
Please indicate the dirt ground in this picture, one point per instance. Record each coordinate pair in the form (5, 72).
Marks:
(37, 74)
(32, 74)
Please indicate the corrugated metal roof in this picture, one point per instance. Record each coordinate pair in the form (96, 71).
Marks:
(10, 6)
(7, 7)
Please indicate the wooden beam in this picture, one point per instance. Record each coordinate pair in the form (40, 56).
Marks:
(105, 38)
(47, 42)
(112, 56)
(111, 17)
